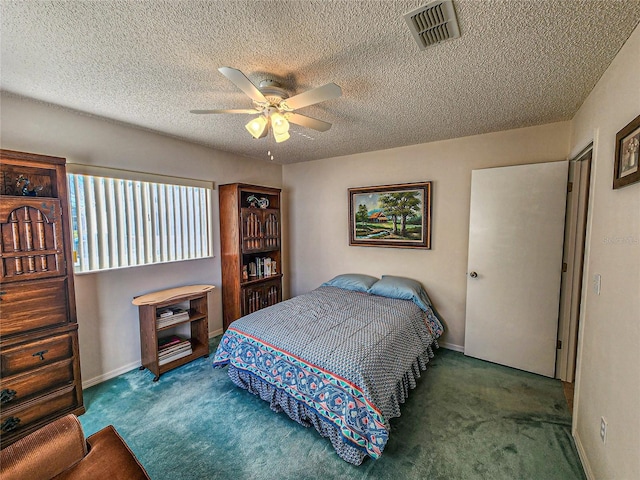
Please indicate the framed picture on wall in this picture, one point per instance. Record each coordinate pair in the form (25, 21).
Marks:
(391, 216)
(626, 169)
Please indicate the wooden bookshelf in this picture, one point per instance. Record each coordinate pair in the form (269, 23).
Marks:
(250, 231)
(194, 299)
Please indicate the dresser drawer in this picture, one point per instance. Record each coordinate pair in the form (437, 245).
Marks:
(18, 388)
(27, 356)
(15, 420)
(41, 303)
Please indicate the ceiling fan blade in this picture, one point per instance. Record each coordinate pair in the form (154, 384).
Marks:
(315, 95)
(308, 122)
(238, 110)
(243, 83)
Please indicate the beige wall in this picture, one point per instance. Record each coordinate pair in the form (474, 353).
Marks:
(108, 322)
(608, 377)
(318, 211)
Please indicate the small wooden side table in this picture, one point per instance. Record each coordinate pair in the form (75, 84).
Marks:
(192, 299)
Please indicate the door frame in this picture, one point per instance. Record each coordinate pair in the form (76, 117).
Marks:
(573, 263)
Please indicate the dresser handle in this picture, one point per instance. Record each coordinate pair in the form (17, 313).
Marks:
(6, 395)
(10, 424)
(40, 354)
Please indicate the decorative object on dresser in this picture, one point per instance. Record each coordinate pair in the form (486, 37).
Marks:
(250, 240)
(40, 373)
(162, 315)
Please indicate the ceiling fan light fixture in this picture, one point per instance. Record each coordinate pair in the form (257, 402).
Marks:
(274, 112)
(281, 137)
(257, 127)
(280, 127)
(279, 123)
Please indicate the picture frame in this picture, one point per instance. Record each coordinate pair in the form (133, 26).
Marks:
(626, 170)
(391, 216)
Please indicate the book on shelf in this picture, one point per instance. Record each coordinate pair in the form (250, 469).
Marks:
(168, 341)
(171, 312)
(171, 341)
(172, 321)
(176, 356)
(260, 267)
(265, 266)
(177, 315)
(179, 347)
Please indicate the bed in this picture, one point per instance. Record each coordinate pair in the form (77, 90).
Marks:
(341, 358)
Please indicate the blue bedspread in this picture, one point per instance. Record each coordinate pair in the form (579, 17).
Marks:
(346, 355)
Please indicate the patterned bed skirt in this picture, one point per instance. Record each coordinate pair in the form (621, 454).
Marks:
(280, 401)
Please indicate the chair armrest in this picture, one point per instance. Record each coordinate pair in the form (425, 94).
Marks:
(109, 458)
(45, 453)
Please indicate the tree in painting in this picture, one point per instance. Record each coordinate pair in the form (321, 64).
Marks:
(401, 205)
(389, 204)
(362, 214)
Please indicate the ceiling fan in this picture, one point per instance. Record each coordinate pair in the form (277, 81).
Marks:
(274, 107)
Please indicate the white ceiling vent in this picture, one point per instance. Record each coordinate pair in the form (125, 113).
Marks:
(433, 23)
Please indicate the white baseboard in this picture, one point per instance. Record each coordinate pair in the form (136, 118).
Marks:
(126, 368)
(215, 333)
(109, 375)
(583, 458)
(451, 346)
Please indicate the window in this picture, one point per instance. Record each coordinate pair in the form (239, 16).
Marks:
(122, 223)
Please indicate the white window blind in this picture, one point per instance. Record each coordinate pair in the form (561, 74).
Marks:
(122, 223)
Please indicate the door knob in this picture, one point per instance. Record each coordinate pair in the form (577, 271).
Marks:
(473, 275)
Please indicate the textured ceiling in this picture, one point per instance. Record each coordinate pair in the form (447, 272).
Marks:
(147, 63)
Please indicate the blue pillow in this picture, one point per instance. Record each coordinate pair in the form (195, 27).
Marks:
(402, 288)
(357, 282)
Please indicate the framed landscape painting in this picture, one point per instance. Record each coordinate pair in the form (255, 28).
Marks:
(391, 216)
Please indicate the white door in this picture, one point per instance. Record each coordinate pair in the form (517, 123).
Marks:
(516, 231)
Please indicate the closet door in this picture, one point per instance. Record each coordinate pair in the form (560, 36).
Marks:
(516, 232)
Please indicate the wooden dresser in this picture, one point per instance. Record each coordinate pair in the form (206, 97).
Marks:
(250, 244)
(40, 363)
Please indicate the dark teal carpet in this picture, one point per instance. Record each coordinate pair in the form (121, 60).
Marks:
(467, 419)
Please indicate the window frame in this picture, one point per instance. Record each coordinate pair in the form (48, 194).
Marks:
(126, 201)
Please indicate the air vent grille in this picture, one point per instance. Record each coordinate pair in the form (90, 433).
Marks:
(434, 23)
